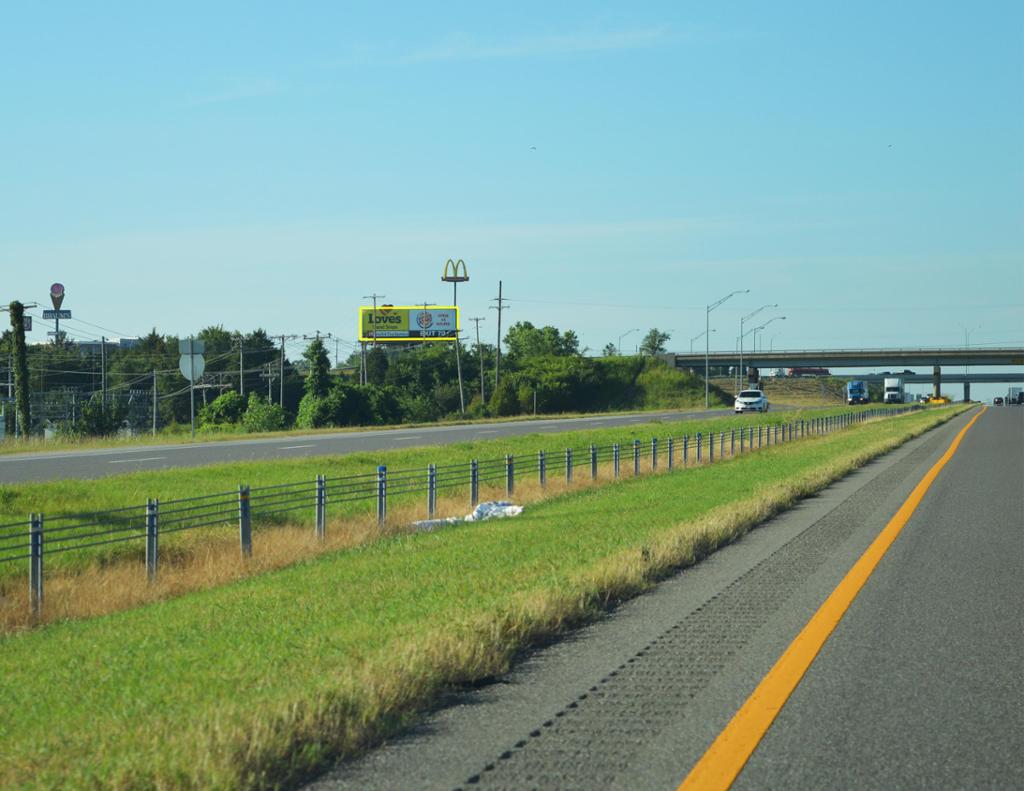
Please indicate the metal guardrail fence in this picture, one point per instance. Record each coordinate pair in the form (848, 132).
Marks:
(46, 536)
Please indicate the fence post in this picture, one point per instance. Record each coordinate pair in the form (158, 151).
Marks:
(35, 563)
(654, 453)
(152, 537)
(568, 465)
(775, 431)
(244, 521)
(431, 490)
(743, 440)
(732, 442)
(382, 494)
(711, 447)
(616, 452)
(721, 449)
(321, 506)
(474, 483)
(636, 457)
(760, 436)
(593, 462)
(700, 443)
(542, 468)
(510, 475)
(686, 450)
(671, 452)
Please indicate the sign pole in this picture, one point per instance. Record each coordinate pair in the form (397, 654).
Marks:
(192, 387)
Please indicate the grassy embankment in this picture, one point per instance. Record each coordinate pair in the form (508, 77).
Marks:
(110, 578)
(263, 681)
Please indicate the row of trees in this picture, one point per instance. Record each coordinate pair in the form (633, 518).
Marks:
(543, 370)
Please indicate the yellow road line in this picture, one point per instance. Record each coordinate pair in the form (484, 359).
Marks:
(725, 758)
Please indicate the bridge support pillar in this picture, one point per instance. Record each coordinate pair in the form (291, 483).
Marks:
(967, 391)
(937, 381)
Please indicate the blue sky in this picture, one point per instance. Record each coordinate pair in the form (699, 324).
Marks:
(255, 164)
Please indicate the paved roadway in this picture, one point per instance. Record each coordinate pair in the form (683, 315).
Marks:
(45, 466)
(920, 686)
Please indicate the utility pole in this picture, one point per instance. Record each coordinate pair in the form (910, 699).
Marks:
(373, 329)
(22, 407)
(241, 369)
(497, 360)
(103, 368)
(154, 402)
(480, 354)
(281, 396)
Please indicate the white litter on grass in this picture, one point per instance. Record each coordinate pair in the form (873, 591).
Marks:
(492, 510)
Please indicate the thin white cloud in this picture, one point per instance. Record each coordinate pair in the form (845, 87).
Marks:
(239, 91)
(461, 46)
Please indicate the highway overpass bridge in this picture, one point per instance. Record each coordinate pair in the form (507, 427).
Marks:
(892, 359)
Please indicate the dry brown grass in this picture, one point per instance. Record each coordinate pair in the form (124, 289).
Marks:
(214, 559)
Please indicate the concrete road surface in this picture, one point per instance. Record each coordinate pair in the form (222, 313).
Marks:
(16, 468)
(920, 686)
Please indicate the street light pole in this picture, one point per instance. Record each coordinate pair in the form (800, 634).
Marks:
(618, 346)
(697, 337)
(743, 319)
(967, 346)
(707, 341)
(758, 329)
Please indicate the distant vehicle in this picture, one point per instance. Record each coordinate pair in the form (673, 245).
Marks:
(893, 390)
(1015, 395)
(857, 392)
(751, 401)
(807, 372)
(997, 401)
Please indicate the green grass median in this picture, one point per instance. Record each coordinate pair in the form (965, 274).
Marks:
(260, 682)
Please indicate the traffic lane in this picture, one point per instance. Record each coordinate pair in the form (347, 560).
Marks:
(921, 684)
(663, 673)
(19, 468)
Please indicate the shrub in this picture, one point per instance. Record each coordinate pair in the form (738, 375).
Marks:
(261, 415)
(314, 412)
(226, 408)
(505, 401)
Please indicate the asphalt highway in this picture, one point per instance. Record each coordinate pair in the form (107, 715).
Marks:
(46, 466)
(920, 686)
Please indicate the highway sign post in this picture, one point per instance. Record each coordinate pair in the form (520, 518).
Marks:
(191, 364)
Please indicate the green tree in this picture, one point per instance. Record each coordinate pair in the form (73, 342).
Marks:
(100, 418)
(376, 366)
(610, 350)
(524, 341)
(654, 342)
(318, 380)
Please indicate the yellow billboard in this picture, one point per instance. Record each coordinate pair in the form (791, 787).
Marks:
(405, 323)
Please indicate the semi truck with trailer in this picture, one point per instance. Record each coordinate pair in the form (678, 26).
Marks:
(893, 393)
(1015, 395)
(856, 392)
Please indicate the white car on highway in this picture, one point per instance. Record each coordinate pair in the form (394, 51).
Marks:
(751, 401)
